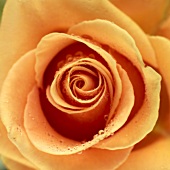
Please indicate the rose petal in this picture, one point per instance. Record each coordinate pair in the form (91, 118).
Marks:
(28, 21)
(41, 134)
(162, 50)
(143, 12)
(91, 158)
(122, 111)
(11, 109)
(13, 90)
(143, 121)
(11, 150)
(108, 33)
(118, 39)
(165, 27)
(15, 165)
(126, 103)
(151, 153)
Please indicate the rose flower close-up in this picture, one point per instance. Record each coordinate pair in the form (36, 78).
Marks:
(85, 85)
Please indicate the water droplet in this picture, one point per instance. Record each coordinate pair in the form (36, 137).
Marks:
(78, 53)
(106, 130)
(111, 134)
(91, 56)
(105, 117)
(69, 58)
(61, 141)
(60, 64)
(79, 153)
(75, 147)
(89, 142)
(112, 124)
(82, 142)
(101, 132)
(87, 37)
(95, 136)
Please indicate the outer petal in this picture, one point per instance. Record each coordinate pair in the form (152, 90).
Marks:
(164, 29)
(148, 14)
(11, 150)
(152, 153)
(12, 165)
(162, 50)
(25, 22)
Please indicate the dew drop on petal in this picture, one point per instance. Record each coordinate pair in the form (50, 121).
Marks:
(105, 117)
(95, 136)
(69, 58)
(61, 141)
(79, 153)
(101, 132)
(111, 134)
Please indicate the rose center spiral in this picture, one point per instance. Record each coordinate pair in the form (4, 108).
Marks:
(76, 85)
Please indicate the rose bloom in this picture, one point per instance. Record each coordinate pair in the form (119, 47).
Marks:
(85, 84)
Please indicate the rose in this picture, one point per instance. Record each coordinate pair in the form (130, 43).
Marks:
(19, 125)
(51, 158)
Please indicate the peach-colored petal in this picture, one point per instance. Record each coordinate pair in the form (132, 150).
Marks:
(108, 33)
(164, 29)
(122, 111)
(143, 121)
(115, 37)
(91, 158)
(41, 134)
(162, 50)
(14, 91)
(12, 165)
(46, 50)
(16, 86)
(147, 14)
(24, 23)
(152, 153)
(125, 105)
(8, 149)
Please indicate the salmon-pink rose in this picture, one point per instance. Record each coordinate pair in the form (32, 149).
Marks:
(79, 88)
